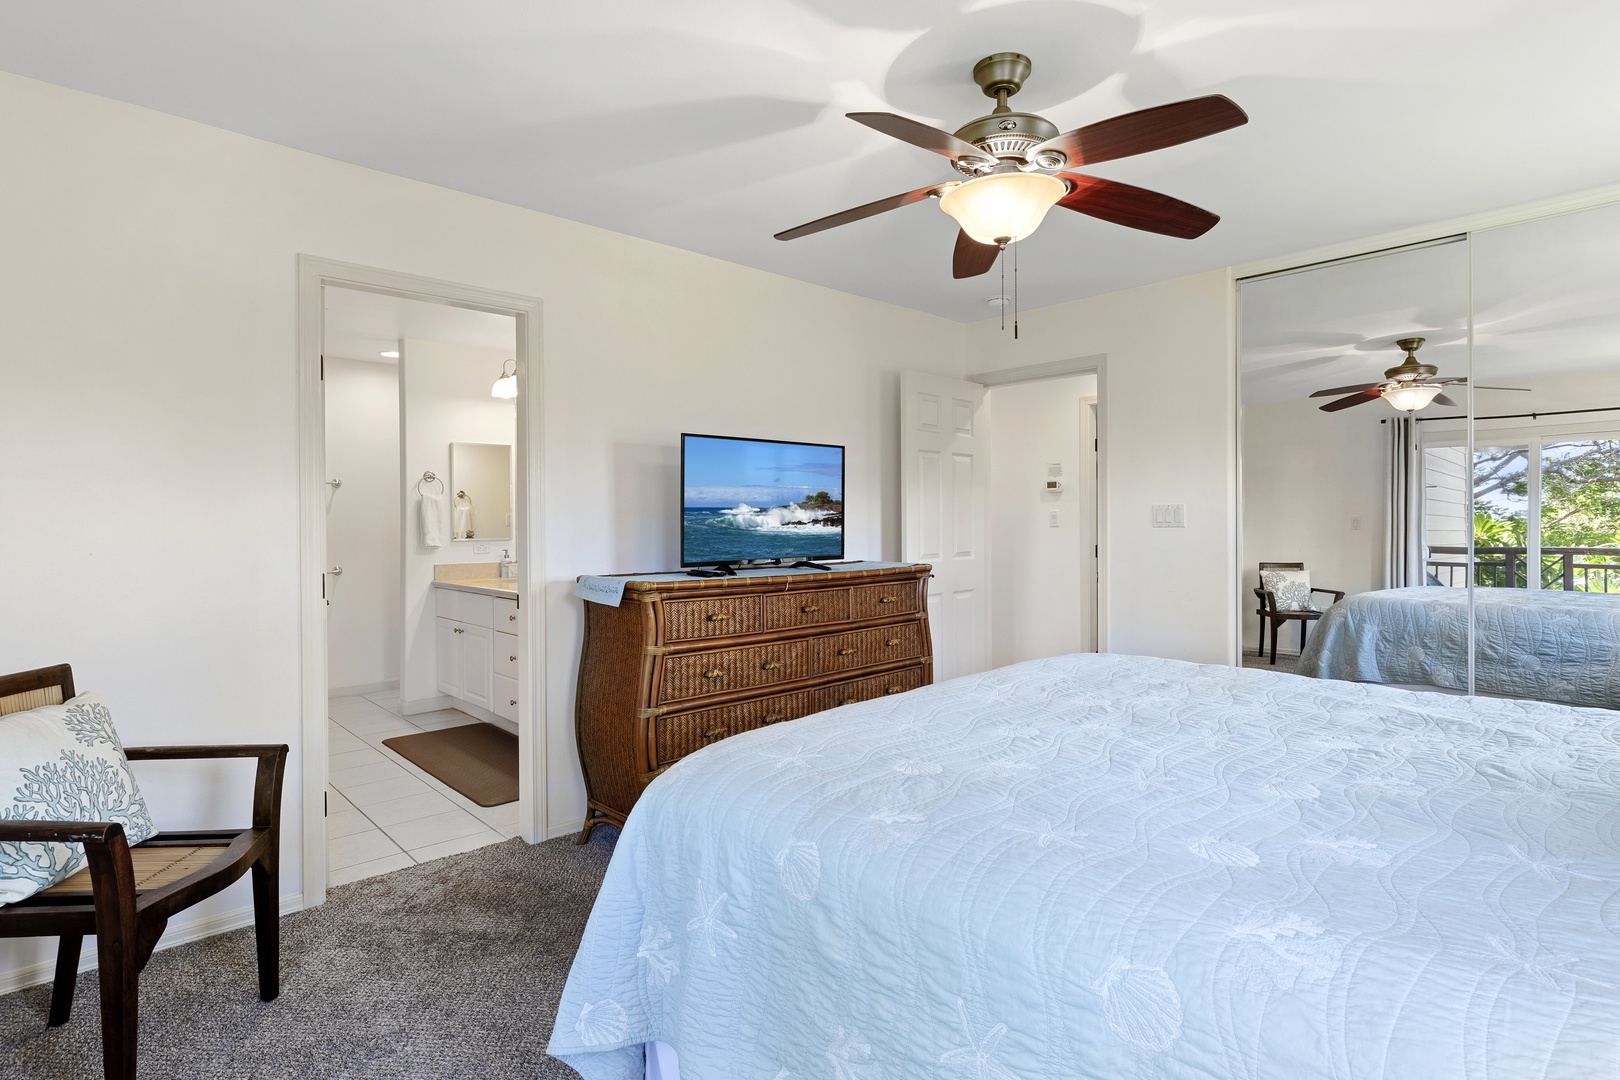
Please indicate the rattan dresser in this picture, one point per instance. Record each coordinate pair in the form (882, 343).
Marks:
(680, 664)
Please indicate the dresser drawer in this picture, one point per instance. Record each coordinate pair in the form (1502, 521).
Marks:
(865, 648)
(503, 697)
(876, 601)
(875, 686)
(732, 669)
(806, 608)
(506, 654)
(680, 735)
(685, 620)
(474, 609)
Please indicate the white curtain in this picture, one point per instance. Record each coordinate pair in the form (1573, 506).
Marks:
(1403, 523)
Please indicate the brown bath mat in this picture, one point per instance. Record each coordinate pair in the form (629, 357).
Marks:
(478, 760)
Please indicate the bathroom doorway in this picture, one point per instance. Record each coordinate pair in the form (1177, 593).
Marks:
(423, 656)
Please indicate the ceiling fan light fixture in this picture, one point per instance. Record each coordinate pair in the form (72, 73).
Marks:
(1410, 397)
(1003, 207)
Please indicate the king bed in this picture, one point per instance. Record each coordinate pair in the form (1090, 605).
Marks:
(1111, 866)
(1543, 644)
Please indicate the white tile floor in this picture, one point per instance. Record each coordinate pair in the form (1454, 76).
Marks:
(383, 813)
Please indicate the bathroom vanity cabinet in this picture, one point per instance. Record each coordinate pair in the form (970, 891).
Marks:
(477, 650)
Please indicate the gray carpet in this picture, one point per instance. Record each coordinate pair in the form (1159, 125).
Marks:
(1286, 662)
(441, 971)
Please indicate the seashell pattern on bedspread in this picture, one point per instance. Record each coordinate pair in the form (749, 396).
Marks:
(1122, 867)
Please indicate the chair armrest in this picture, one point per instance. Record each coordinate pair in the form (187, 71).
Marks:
(1338, 594)
(266, 783)
(58, 832)
(1268, 602)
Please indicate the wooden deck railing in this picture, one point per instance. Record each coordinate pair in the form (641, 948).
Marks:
(1570, 569)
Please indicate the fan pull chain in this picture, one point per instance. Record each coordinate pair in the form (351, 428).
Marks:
(1015, 293)
(1001, 258)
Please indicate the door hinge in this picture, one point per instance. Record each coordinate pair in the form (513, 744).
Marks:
(323, 368)
(326, 804)
(1093, 446)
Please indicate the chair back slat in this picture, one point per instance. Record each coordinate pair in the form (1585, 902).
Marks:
(1281, 566)
(35, 689)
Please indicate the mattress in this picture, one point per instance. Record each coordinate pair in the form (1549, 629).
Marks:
(1551, 645)
(1117, 867)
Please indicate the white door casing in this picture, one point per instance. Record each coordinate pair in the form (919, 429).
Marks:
(945, 508)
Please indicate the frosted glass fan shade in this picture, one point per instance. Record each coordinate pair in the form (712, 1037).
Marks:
(1003, 206)
(1413, 397)
(506, 386)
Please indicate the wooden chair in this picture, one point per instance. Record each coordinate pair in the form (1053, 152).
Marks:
(127, 895)
(1268, 608)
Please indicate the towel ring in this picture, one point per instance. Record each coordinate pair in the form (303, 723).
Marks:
(463, 495)
(429, 478)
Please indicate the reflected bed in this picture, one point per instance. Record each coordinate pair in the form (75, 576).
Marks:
(1548, 645)
(1115, 866)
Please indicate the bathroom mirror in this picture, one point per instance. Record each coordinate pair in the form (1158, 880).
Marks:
(480, 491)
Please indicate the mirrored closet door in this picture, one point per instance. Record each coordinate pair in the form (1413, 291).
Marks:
(1545, 468)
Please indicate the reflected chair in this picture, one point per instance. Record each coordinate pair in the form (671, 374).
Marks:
(1268, 609)
(126, 896)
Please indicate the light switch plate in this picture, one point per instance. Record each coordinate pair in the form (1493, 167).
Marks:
(1169, 516)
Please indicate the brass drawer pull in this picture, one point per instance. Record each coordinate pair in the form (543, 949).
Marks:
(717, 733)
(888, 599)
(773, 720)
(810, 609)
(770, 665)
(849, 701)
(719, 616)
(458, 629)
(846, 652)
(892, 642)
(895, 690)
(511, 618)
(714, 673)
(512, 702)
(512, 658)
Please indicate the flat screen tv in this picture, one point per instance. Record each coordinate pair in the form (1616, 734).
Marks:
(746, 499)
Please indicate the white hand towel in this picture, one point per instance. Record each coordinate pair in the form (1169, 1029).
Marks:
(432, 520)
(464, 523)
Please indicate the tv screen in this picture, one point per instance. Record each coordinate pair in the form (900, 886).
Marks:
(760, 499)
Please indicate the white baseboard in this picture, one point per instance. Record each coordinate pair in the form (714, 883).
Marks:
(479, 713)
(426, 704)
(34, 974)
(363, 688)
(566, 828)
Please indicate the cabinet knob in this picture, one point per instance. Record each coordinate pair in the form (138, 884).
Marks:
(511, 618)
(888, 599)
(770, 665)
(846, 652)
(512, 658)
(714, 673)
(719, 616)
(458, 629)
(892, 642)
(810, 609)
(512, 702)
(717, 733)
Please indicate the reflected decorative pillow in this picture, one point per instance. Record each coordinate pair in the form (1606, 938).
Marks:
(62, 763)
(1290, 588)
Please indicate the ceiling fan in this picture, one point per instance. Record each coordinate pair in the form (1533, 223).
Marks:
(1013, 162)
(1408, 386)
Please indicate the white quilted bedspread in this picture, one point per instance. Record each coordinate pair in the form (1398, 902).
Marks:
(1118, 867)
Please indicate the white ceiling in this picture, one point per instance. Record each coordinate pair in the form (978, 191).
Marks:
(364, 325)
(1546, 302)
(711, 125)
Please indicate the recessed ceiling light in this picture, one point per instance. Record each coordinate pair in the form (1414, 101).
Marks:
(392, 355)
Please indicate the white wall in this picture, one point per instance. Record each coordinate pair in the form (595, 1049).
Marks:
(150, 394)
(1169, 436)
(1040, 593)
(447, 400)
(1307, 475)
(362, 524)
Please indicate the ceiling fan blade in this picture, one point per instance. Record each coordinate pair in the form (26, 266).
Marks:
(1441, 399)
(1145, 130)
(1135, 208)
(972, 258)
(1520, 389)
(1346, 389)
(920, 134)
(1354, 399)
(844, 217)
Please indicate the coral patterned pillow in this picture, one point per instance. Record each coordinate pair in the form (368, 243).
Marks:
(62, 763)
(1290, 588)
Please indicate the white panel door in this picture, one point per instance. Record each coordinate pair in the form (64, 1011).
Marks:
(447, 655)
(945, 507)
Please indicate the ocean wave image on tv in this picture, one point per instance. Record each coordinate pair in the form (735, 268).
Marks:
(746, 499)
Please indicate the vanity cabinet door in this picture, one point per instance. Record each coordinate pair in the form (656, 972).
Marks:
(447, 649)
(475, 643)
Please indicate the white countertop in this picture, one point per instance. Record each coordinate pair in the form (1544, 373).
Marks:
(506, 587)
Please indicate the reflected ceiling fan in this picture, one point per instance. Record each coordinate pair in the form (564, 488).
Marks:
(1409, 386)
(1014, 164)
